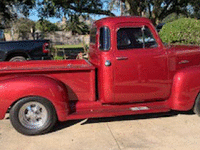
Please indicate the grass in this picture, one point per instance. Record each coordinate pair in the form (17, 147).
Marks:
(69, 46)
(58, 58)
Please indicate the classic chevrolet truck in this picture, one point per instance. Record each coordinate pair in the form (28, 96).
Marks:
(130, 71)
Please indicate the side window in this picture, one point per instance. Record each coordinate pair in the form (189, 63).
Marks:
(128, 38)
(104, 39)
(134, 38)
(93, 32)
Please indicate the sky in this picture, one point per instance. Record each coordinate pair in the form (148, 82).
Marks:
(33, 16)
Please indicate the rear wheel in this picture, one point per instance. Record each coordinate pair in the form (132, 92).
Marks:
(33, 115)
(17, 58)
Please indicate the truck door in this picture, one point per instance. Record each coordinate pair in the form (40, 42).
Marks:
(140, 68)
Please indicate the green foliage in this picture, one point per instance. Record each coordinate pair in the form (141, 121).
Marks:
(58, 58)
(76, 26)
(172, 17)
(195, 9)
(46, 26)
(58, 8)
(24, 25)
(157, 10)
(10, 9)
(184, 30)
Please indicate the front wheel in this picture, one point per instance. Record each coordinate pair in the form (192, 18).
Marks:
(33, 115)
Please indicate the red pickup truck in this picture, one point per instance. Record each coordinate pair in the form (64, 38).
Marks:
(130, 71)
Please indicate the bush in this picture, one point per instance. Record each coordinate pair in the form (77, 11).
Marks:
(184, 30)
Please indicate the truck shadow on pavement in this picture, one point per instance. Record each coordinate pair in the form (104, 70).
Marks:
(62, 125)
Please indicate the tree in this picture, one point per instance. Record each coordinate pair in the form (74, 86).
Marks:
(58, 8)
(10, 9)
(156, 10)
(72, 9)
(119, 4)
(22, 27)
(195, 9)
(46, 26)
(76, 26)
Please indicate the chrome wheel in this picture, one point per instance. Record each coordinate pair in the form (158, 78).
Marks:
(33, 115)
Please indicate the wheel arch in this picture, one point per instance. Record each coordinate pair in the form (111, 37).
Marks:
(34, 86)
(185, 89)
(16, 53)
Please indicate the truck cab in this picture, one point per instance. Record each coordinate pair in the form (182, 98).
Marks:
(132, 62)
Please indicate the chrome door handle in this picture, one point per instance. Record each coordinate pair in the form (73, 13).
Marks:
(184, 62)
(121, 58)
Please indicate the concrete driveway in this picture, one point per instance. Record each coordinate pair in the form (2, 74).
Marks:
(165, 131)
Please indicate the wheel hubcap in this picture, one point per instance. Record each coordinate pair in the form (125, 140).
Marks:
(33, 115)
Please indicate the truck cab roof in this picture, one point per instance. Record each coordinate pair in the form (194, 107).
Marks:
(111, 21)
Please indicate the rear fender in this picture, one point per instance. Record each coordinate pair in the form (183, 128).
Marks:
(13, 89)
(186, 86)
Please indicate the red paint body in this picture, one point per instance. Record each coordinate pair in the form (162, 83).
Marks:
(149, 80)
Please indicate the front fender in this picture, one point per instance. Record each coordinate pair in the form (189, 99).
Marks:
(186, 86)
(14, 89)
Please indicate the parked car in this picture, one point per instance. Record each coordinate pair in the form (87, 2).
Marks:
(25, 50)
(130, 71)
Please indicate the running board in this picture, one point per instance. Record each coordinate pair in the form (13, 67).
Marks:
(82, 110)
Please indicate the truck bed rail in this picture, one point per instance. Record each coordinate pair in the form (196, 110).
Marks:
(56, 65)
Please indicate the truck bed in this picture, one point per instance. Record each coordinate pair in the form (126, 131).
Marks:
(77, 75)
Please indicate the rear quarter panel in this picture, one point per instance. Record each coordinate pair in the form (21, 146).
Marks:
(185, 88)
